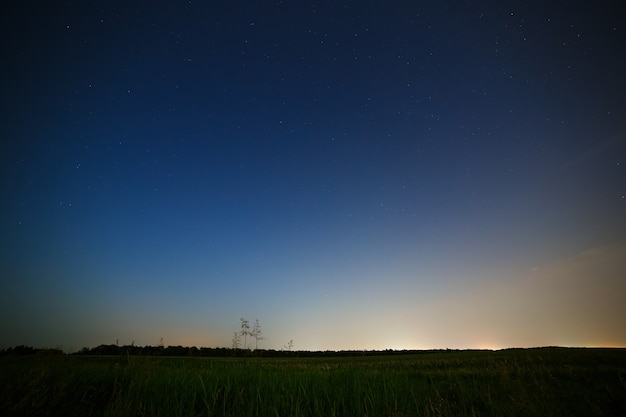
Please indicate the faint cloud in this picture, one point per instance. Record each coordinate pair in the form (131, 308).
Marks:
(575, 301)
(595, 151)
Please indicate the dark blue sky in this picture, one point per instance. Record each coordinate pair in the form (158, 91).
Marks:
(355, 175)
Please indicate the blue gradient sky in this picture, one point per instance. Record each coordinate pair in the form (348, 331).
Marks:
(355, 176)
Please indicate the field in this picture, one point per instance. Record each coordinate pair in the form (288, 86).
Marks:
(535, 382)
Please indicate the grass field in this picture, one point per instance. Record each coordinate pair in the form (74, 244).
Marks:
(535, 382)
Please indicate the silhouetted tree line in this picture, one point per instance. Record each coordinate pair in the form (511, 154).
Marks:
(224, 352)
(154, 351)
(115, 350)
(29, 350)
(179, 351)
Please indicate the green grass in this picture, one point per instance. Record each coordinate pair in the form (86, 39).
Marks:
(538, 382)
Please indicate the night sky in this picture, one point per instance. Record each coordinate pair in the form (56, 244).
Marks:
(356, 175)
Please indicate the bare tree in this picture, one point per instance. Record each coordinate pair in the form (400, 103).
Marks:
(256, 333)
(289, 345)
(236, 341)
(245, 331)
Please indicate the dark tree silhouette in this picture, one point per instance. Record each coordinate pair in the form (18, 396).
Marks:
(245, 331)
(256, 333)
